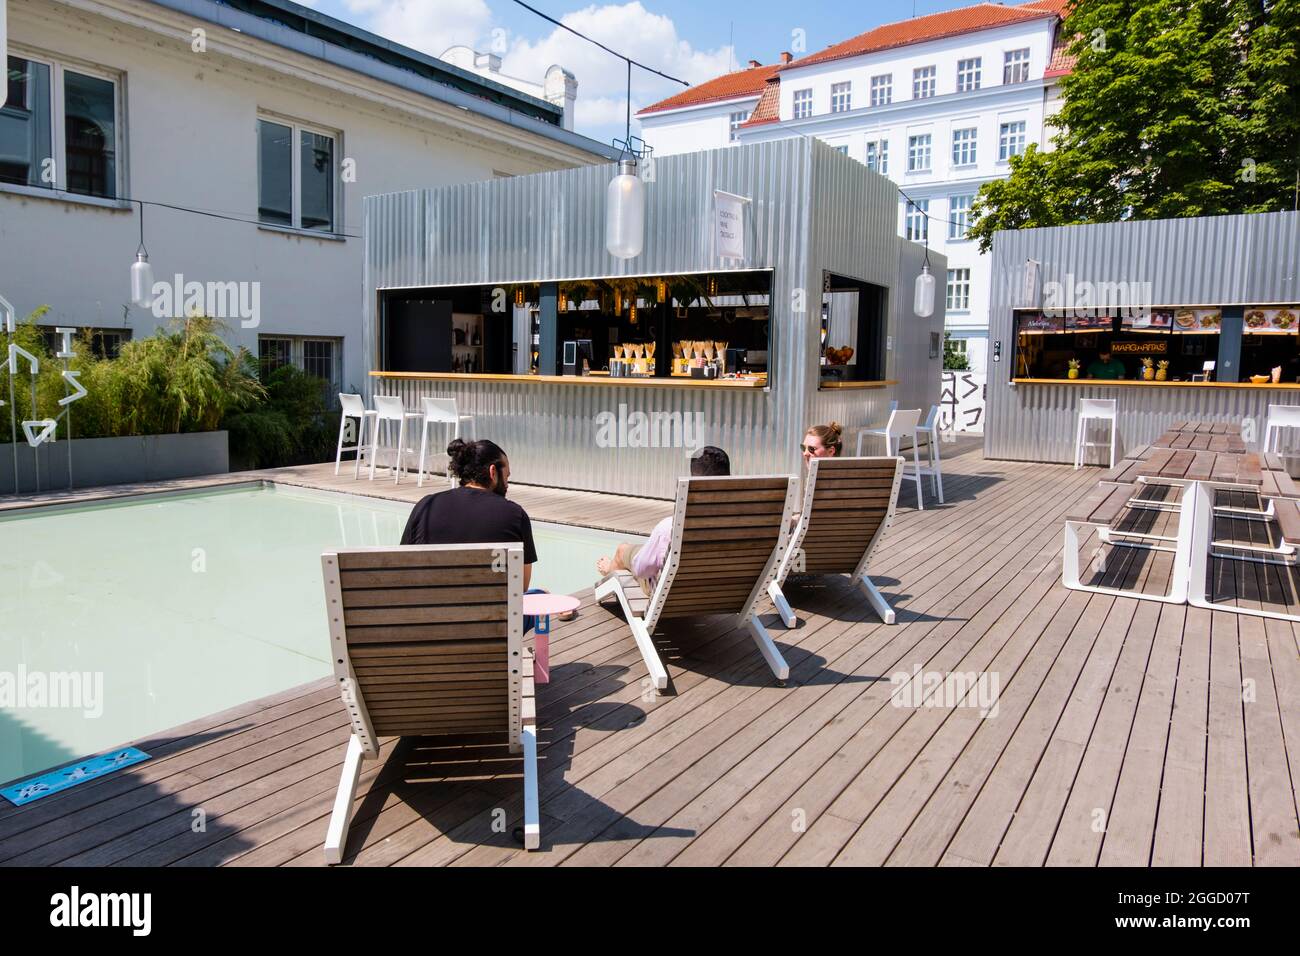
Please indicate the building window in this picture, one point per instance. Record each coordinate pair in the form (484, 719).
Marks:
(923, 82)
(918, 153)
(968, 75)
(296, 176)
(1011, 140)
(803, 104)
(841, 97)
(1015, 66)
(59, 128)
(734, 123)
(958, 290)
(959, 208)
(104, 343)
(963, 146)
(878, 156)
(882, 89)
(843, 150)
(918, 220)
(319, 357)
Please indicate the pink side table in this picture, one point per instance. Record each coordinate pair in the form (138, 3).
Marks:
(542, 606)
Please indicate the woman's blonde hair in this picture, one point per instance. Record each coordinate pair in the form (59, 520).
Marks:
(828, 435)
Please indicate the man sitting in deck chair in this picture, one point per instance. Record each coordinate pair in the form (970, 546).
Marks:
(715, 555)
(647, 560)
(477, 512)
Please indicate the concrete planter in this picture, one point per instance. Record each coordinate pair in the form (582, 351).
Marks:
(114, 461)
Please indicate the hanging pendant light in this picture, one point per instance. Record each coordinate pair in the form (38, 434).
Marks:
(625, 212)
(661, 291)
(142, 272)
(923, 302)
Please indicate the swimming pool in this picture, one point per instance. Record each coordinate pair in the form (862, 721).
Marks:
(141, 614)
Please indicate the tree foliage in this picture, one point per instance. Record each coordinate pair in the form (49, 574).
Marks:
(1174, 108)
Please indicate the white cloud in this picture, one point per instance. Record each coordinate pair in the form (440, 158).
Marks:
(429, 26)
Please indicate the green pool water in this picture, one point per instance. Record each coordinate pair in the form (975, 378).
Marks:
(180, 606)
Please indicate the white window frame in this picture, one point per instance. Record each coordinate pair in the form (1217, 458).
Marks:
(1015, 66)
(299, 127)
(916, 149)
(1011, 142)
(58, 65)
(969, 74)
(917, 220)
(965, 148)
(297, 354)
(882, 89)
(882, 155)
(842, 97)
(924, 82)
(959, 216)
(801, 98)
(957, 293)
(734, 121)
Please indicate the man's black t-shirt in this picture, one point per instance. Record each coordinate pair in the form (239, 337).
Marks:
(470, 516)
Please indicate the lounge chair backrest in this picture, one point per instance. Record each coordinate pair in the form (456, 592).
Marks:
(427, 639)
(726, 533)
(847, 505)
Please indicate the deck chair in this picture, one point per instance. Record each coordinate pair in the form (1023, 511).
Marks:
(427, 640)
(848, 503)
(729, 535)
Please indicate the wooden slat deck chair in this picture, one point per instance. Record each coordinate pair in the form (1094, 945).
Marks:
(729, 535)
(848, 504)
(427, 640)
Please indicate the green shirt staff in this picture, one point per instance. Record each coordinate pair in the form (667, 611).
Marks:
(1106, 366)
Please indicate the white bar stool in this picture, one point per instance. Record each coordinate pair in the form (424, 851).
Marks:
(1279, 417)
(876, 431)
(931, 431)
(441, 411)
(1094, 410)
(389, 412)
(355, 408)
(903, 422)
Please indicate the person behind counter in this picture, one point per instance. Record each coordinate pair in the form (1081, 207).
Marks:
(1106, 366)
(646, 561)
(477, 512)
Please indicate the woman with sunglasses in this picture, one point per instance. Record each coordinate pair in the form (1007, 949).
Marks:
(823, 441)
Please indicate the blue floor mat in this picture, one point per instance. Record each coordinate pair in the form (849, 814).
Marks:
(65, 777)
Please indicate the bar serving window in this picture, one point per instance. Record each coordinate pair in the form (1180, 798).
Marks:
(1270, 339)
(1158, 344)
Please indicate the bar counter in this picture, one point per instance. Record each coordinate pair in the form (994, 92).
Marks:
(594, 379)
(1123, 382)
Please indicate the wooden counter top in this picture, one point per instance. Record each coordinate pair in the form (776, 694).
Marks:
(831, 383)
(587, 380)
(1127, 382)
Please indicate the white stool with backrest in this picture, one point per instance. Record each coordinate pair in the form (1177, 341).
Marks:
(903, 423)
(1095, 410)
(441, 411)
(389, 412)
(355, 408)
(931, 432)
(875, 431)
(1279, 417)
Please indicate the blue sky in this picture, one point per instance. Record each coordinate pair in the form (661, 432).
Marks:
(686, 38)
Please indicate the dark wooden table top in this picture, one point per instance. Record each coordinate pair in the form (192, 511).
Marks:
(1186, 464)
(1195, 440)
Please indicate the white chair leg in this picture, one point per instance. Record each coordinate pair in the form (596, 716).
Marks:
(1078, 445)
(361, 443)
(455, 433)
(401, 451)
(916, 463)
(532, 816)
(936, 463)
(782, 605)
(1113, 424)
(767, 647)
(375, 429)
(861, 435)
(424, 450)
(336, 836)
(876, 599)
(338, 454)
(658, 675)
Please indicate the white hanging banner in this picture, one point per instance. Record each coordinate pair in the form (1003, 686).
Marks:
(729, 224)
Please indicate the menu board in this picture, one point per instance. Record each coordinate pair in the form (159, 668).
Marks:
(1197, 320)
(1152, 319)
(1088, 322)
(1284, 319)
(1036, 322)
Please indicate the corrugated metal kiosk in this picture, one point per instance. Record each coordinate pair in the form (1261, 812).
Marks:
(483, 292)
(1218, 303)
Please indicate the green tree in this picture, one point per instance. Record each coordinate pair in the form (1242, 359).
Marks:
(953, 361)
(1174, 108)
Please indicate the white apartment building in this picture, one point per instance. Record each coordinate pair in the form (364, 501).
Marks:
(274, 118)
(939, 104)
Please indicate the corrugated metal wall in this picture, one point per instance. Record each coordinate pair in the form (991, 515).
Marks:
(1206, 261)
(552, 226)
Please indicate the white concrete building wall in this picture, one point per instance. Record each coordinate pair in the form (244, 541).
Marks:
(188, 136)
(698, 127)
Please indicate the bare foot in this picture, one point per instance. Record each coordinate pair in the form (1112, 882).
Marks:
(604, 565)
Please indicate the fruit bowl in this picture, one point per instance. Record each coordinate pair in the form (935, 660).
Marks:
(1259, 379)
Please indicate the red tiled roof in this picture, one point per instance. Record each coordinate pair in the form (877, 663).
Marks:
(768, 109)
(1063, 61)
(726, 87)
(935, 26)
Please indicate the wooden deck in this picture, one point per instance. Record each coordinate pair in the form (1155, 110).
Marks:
(1122, 735)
